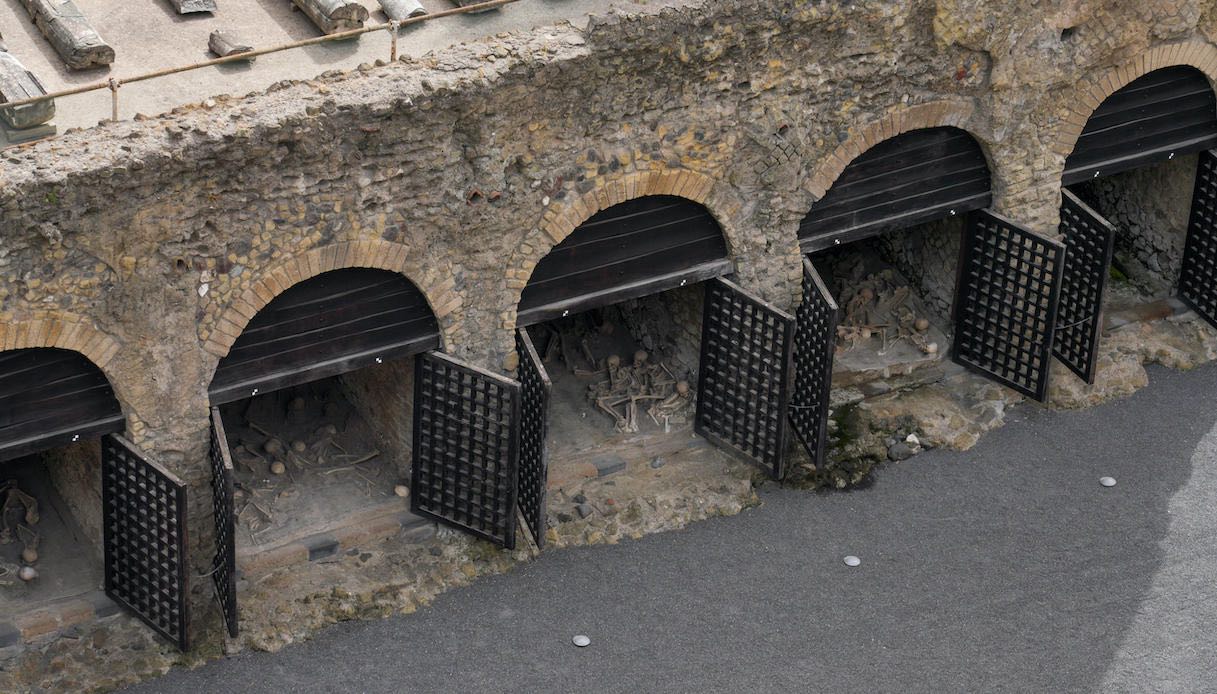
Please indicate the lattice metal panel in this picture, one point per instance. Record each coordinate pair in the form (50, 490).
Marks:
(466, 447)
(1198, 279)
(224, 566)
(746, 359)
(1005, 307)
(814, 341)
(144, 509)
(535, 389)
(1089, 241)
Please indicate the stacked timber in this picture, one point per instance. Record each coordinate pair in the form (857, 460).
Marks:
(70, 33)
(188, 6)
(17, 83)
(333, 16)
(398, 10)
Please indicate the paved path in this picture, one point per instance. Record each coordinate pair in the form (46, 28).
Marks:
(1007, 568)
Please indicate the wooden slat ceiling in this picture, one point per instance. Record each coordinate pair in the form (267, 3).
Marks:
(333, 323)
(909, 179)
(633, 249)
(48, 397)
(1168, 111)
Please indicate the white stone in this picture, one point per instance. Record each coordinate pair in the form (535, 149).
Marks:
(1107, 481)
(581, 641)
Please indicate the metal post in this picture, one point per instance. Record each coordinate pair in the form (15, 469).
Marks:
(114, 85)
(393, 25)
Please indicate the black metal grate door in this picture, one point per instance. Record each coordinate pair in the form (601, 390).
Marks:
(1089, 241)
(224, 566)
(466, 447)
(814, 341)
(534, 414)
(746, 360)
(144, 509)
(1006, 302)
(1198, 279)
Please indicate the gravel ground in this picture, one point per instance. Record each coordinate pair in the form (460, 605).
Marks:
(1005, 568)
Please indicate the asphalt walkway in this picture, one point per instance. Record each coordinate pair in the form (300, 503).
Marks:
(1006, 568)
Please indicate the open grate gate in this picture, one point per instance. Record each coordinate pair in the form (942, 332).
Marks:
(466, 447)
(1089, 239)
(144, 517)
(535, 388)
(224, 565)
(1198, 278)
(746, 360)
(1006, 302)
(814, 341)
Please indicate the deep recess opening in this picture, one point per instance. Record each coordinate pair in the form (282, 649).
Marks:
(895, 291)
(642, 351)
(1149, 208)
(52, 524)
(324, 465)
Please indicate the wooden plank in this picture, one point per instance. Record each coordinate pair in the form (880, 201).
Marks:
(909, 179)
(189, 6)
(630, 245)
(225, 43)
(398, 10)
(333, 323)
(17, 83)
(65, 26)
(333, 16)
(1168, 111)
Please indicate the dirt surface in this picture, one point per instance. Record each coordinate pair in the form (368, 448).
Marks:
(330, 468)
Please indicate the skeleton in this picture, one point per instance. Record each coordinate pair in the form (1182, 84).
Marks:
(625, 388)
(878, 307)
(17, 504)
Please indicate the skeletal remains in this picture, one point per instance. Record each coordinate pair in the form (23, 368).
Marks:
(621, 389)
(18, 515)
(878, 308)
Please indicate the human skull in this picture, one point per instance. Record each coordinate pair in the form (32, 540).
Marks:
(640, 358)
(613, 361)
(682, 387)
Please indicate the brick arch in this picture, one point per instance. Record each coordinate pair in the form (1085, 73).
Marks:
(438, 287)
(70, 332)
(898, 120)
(1081, 102)
(561, 218)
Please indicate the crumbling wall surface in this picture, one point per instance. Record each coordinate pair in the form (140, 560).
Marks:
(1149, 208)
(462, 168)
(384, 396)
(928, 255)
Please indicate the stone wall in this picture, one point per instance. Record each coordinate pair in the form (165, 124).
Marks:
(1149, 208)
(928, 255)
(75, 471)
(384, 396)
(669, 324)
(148, 245)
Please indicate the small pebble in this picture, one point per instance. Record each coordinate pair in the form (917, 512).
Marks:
(1107, 481)
(584, 510)
(657, 462)
(912, 440)
(581, 641)
(851, 560)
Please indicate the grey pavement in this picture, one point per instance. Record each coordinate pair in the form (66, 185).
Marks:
(150, 35)
(1005, 568)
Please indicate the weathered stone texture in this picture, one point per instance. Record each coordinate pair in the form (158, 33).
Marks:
(148, 244)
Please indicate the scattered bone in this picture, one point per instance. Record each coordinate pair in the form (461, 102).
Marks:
(29, 540)
(401, 490)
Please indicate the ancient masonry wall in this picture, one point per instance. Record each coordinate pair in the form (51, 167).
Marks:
(928, 255)
(149, 245)
(1149, 208)
(384, 396)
